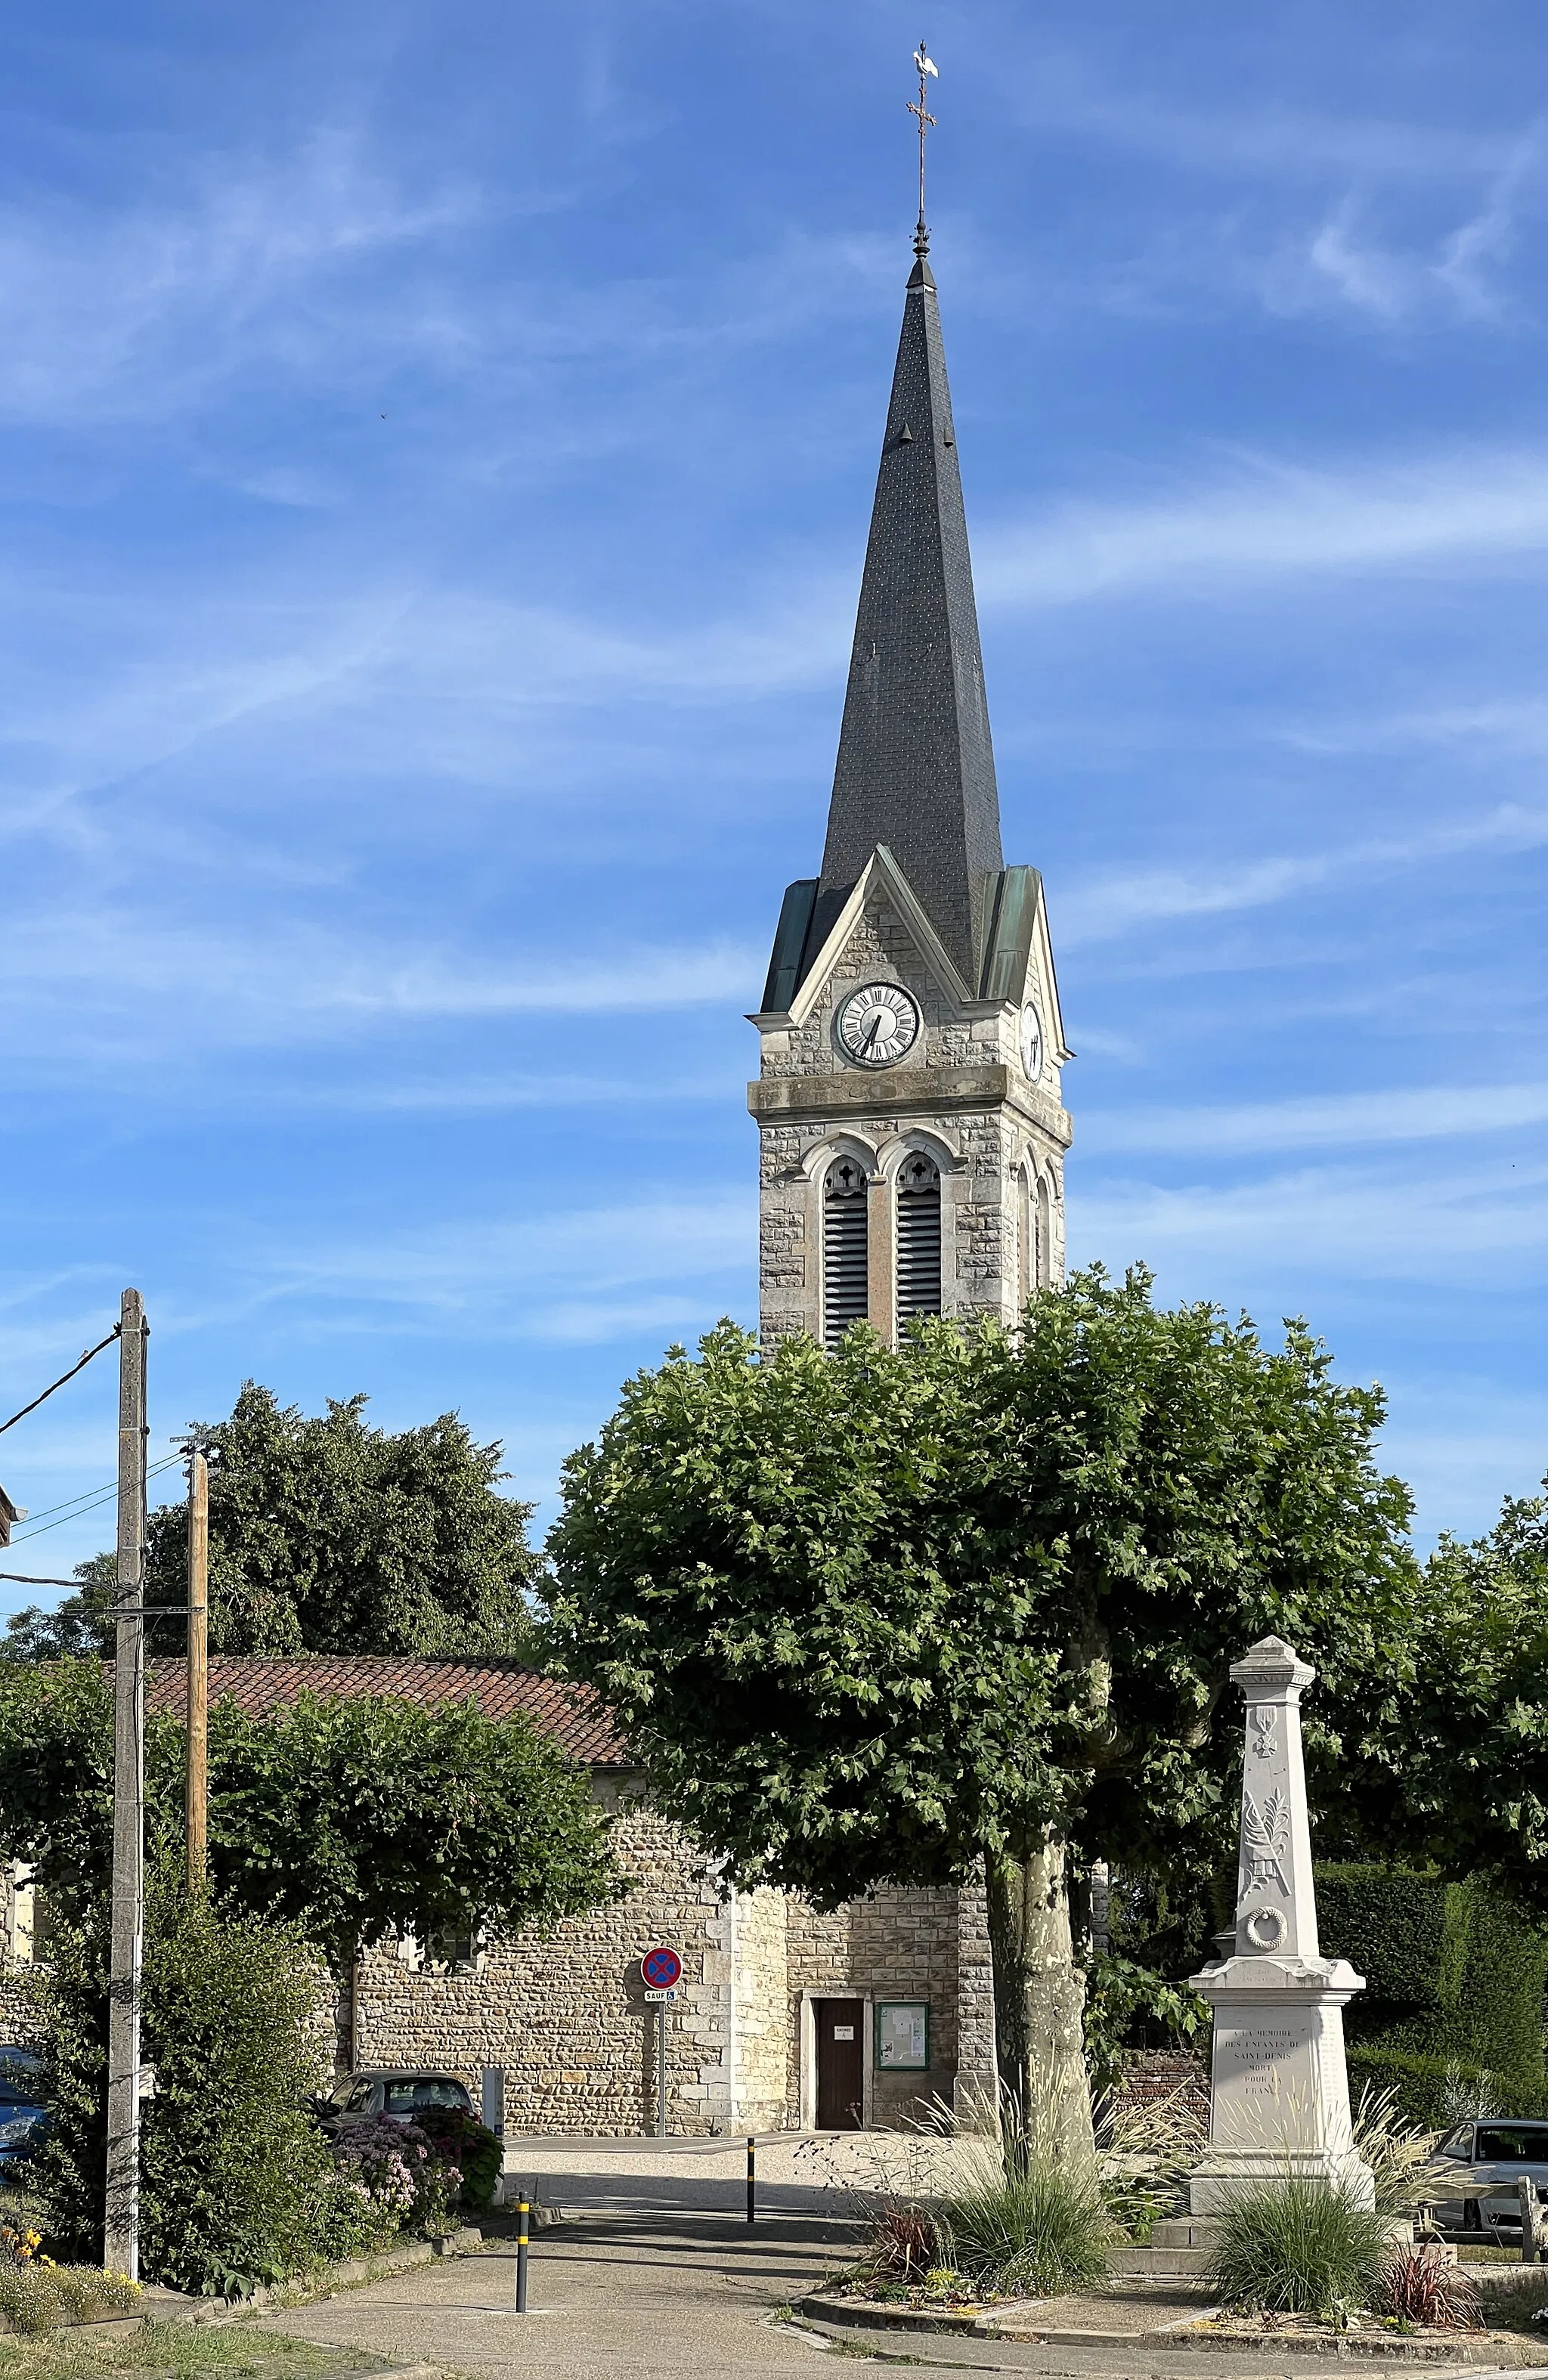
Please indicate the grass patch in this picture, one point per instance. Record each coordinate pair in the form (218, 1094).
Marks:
(179, 2351)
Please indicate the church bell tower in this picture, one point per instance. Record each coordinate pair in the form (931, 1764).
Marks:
(909, 1101)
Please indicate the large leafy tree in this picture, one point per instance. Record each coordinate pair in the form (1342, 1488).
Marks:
(327, 1535)
(351, 1819)
(886, 1615)
(1454, 1770)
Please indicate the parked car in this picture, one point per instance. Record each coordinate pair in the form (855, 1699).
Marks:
(1474, 2170)
(22, 2117)
(401, 2094)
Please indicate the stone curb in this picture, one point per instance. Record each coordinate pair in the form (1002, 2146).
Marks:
(352, 2273)
(1018, 2322)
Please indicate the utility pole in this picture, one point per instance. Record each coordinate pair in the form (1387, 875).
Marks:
(199, 1670)
(121, 2240)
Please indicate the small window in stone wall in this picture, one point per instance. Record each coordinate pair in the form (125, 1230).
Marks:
(450, 1950)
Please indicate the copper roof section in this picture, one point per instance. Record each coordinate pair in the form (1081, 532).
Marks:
(570, 1716)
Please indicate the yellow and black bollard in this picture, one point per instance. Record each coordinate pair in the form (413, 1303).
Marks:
(523, 2211)
(751, 2178)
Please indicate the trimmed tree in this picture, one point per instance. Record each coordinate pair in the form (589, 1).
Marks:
(902, 1615)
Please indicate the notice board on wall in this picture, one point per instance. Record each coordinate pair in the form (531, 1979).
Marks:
(903, 2035)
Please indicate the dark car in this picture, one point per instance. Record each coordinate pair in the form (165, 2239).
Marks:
(21, 2116)
(399, 2094)
(1474, 2170)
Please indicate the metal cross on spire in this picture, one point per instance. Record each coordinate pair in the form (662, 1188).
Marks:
(926, 66)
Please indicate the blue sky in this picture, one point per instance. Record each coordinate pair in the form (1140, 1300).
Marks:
(435, 451)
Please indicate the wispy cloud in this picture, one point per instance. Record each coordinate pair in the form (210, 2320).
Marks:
(114, 318)
(1319, 1224)
(1253, 140)
(1106, 906)
(1348, 1120)
(1273, 522)
(103, 969)
(521, 1278)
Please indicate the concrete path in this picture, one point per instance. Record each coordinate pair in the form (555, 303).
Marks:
(659, 2277)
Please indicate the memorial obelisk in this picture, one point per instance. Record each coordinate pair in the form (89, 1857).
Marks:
(1279, 2090)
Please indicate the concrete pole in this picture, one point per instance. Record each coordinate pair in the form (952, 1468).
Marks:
(199, 1672)
(121, 2230)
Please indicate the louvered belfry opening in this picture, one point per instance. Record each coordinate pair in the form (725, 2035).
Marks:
(845, 1248)
(919, 1238)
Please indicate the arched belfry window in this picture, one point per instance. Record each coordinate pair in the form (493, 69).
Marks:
(845, 1248)
(919, 1236)
(1044, 1235)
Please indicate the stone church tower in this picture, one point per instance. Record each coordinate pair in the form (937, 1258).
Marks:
(908, 1098)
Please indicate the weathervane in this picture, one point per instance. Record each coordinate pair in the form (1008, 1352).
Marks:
(926, 66)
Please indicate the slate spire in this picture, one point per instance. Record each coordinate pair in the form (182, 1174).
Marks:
(916, 767)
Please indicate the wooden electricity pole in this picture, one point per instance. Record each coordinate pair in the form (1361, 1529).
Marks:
(121, 2243)
(198, 1671)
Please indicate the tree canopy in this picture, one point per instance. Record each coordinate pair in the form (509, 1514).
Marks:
(1451, 1767)
(327, 1535)
(352, 1819)
(877, 1614)
(872, 1614)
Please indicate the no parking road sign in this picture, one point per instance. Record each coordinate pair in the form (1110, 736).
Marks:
(661, 1969)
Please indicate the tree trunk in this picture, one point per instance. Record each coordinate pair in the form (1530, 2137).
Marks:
(1040, 1999)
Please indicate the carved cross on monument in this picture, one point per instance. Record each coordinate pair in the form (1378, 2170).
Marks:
(1279, 2088)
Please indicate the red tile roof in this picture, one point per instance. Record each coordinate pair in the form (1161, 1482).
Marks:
(570, 1715)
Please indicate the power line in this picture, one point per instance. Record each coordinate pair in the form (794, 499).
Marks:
(103, 1496)
(22, 1579)
(60, 1382)
(88, 1496)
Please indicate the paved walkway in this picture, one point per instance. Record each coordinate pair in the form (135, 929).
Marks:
(659, 2277)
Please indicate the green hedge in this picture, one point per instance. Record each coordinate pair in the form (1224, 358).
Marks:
(1436, 2092)
(1452, 1970)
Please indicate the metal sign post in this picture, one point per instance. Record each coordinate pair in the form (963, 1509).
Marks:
(661, 1970)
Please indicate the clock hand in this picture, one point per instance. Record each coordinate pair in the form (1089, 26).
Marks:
(875, 1028)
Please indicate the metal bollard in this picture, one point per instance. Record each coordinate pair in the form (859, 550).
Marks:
(751, 2178)
(1525, 2195)
(522, 2211)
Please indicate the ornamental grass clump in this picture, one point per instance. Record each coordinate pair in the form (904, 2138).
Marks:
(1296, 2245)
(1026, 2223)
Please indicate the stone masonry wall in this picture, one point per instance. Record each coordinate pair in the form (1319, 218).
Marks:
(899, 1943)
(566, 2016)
(982, 1259)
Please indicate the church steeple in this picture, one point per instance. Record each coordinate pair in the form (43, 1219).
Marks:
(916, 767)
(909, 1104)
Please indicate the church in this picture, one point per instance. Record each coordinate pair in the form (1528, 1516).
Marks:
(913, 1141)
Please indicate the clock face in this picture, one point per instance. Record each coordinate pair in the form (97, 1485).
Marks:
(878, 1024)
(1031, 1041)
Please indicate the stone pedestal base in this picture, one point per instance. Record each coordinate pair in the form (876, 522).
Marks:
(1279, 2095)
(1222, 2177)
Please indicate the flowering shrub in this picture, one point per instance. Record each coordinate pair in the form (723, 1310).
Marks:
(37, 2295)
(399, 2174)
(460, 2139)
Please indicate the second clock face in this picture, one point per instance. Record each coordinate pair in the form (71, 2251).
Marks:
(878, 1024)
(1031, 1041)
